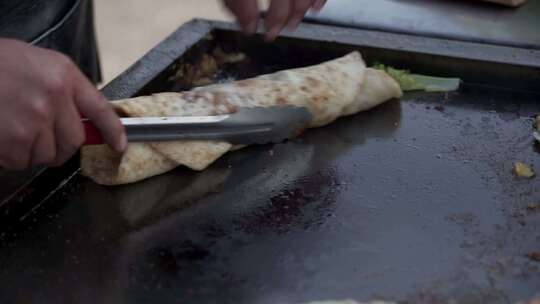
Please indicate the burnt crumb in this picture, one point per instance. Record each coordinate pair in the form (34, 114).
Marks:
(533, 207)
(534, 256)
(439, 108)
(518, 215)
(462, 218)
(428, 108)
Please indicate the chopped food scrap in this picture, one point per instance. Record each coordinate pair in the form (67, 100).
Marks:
(207, 65)
(415, 82)
(223, 57)
(531, 301)
(522, 170)
(202, 81)
(200, 72)
(535, 256)
(534, 207)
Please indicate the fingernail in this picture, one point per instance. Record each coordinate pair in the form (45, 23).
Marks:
(122, 144)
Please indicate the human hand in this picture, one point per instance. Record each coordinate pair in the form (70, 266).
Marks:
(281, 14)
(42, 97)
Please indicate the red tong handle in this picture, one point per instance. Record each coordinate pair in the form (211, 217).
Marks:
(93, 137)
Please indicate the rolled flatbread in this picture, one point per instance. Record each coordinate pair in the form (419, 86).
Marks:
(336, 88)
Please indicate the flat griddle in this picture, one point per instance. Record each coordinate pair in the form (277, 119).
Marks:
(465, 20)
(414, 201)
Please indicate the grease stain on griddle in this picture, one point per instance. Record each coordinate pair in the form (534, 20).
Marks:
(286, 208)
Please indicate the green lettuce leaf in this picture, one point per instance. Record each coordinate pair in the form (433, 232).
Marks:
(415, 82)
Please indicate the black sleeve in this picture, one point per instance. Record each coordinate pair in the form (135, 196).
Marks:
(66, 26)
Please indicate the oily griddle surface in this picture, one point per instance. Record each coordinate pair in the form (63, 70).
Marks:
(414, 201)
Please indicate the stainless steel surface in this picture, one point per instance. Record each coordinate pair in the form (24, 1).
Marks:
(455, 19)
(414, 201)
(256, 125)
(165, 121)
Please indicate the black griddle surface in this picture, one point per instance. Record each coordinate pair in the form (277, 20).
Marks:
(411, 201)
(414, 201)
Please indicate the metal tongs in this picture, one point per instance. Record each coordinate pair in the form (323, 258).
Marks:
(257, 125)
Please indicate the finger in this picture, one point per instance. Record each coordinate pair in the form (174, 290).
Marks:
(318, 4)
(93, 106)
(19, 159)
(19, 149)
(19, 162)
(246, 13)
(69, 134)
(44, 148)
(278, 14)
(299, 9)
